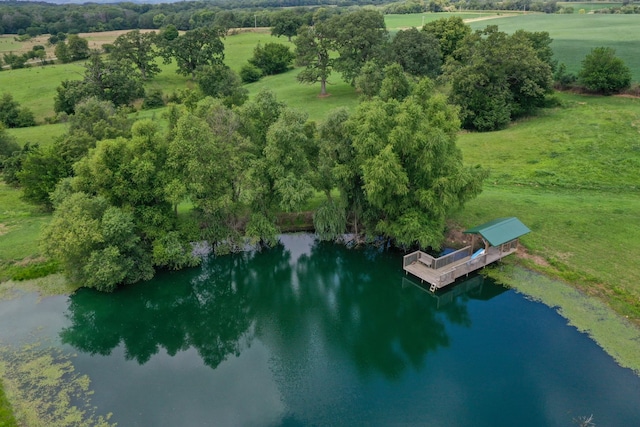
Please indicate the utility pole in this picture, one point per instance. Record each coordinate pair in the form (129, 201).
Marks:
(255, 21)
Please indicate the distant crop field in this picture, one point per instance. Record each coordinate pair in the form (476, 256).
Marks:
(575, 35)
(588, 5)
(396, 22)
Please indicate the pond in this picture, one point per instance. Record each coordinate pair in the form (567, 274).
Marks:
(314, 333)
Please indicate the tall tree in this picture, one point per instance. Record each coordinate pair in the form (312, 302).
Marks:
(220, 81)
(313, 46)
(97, 244)
(418, 52)
(285, 23)
(497, 77)
(195, 48)
(449, 32)
(112, 81)
(138, 49)
(78, 47)
(411, 170)
(358, 37)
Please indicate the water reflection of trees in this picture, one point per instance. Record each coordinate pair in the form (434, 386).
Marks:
(348, 299)
(204, 311)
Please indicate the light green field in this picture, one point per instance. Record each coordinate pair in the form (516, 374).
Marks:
(396, 22)
(20, 225)
(588, 6)
(35, 87)
(590, 238)
(575, 35)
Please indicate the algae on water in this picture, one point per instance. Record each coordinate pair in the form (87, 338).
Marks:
(617, 336)
(45, 390)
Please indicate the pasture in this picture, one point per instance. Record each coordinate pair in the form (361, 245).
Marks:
(575, 35)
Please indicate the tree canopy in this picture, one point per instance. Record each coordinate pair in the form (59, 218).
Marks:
(496, 77)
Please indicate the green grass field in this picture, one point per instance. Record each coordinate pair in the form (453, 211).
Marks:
(396, 22)
(589, 5)
(575, 35)
(540, 168)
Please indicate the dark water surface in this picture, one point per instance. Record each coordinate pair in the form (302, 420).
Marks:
(316, 334)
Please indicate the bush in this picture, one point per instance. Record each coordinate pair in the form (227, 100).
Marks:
(153, 99)
(249, 73)
(273, 58)
(603, 72)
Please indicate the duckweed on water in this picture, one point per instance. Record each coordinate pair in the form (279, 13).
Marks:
(44, 389)
(617, 336)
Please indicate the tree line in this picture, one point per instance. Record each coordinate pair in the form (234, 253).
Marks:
(35, 18)
(117, 185)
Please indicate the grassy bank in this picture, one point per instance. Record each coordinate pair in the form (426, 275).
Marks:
(572, 176)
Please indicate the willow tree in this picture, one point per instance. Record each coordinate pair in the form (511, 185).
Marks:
(403, 172)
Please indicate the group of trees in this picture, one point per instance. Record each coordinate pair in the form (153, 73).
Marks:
(115, 187)
(495, 77)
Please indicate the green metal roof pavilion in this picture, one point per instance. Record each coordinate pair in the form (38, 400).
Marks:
(501, 230)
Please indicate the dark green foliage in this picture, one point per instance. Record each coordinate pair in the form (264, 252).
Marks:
(15, 61)
(12, 165)
(41, 170)
(313, 46)
(449, 32)
(8, 146)
(369, 81)
(137, 49)
(286, 23)
(220, 81)
(329, 220)
(358, 37)
(112, 81)
(193, 49)
(75, 48)
(153, 99)
(70, 93)
(563, 79)
(250, 73)
(418, 52)
(497, 77)
(395, 84)
(603, 72)
(12, 115)
(34, 271)
(273, 58)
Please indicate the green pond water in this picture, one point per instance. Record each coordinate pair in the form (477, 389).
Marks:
(315, 334)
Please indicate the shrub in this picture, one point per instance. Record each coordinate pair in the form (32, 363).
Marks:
(249, 73)
(153, 99)
(603, 72)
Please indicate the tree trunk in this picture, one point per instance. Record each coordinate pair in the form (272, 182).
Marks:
(323, 87)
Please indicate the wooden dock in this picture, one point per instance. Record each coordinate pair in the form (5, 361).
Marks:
(440, 272)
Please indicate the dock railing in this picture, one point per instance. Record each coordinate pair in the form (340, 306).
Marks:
(436, 263)
(443, 261)
(416, 256)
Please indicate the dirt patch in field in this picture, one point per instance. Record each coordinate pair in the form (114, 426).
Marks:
(485, 18)
(4, 229)
(522, 252)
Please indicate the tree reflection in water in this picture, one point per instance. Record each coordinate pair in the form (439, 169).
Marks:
(348, 302)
